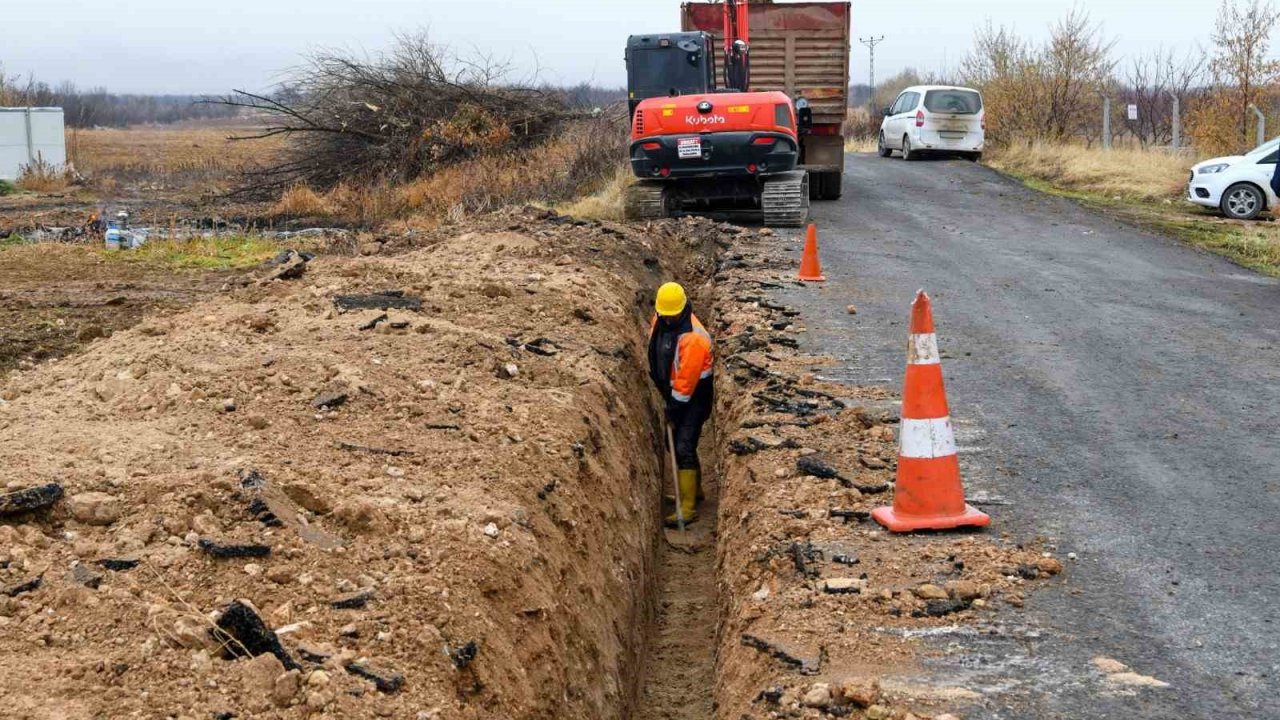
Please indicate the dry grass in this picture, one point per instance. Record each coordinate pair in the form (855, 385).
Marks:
(607, 204)
(164, 152)
(206, 253)
(1120, 173)
(1143, 187)
(41, 177)
(300, 201)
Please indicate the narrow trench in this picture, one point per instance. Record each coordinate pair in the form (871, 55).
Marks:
(678, 672)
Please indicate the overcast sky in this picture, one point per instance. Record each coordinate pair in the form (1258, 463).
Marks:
(211, 47)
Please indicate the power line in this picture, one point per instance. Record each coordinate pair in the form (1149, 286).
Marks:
(871, 43)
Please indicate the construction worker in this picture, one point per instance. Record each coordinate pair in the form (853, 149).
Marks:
(680, 365)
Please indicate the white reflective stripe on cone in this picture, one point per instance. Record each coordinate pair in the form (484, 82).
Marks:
(922, 349)
(927, 438)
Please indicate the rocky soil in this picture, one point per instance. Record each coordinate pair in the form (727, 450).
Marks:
(413, 486)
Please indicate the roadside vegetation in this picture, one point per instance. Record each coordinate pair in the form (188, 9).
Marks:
(1044, 118)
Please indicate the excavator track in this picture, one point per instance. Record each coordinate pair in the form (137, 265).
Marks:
(646, 200)
(784, 201)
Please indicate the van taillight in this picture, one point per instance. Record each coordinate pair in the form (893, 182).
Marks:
(984, 121)
(919, 118)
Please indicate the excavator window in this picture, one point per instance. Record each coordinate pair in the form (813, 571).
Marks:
(668, 65)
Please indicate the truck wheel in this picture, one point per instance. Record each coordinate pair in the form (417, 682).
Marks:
(831, 185)
(974, 157)
(1242, 201)
(881, 148)
(907, 153)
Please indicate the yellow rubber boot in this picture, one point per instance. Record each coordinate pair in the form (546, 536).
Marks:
(688, 481)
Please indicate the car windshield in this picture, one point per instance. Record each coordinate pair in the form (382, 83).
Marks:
(1264, 149)
(965, 102)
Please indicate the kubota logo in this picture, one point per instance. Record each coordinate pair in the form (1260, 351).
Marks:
(705, 119)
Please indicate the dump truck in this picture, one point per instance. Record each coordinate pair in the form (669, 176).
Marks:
(801, 49)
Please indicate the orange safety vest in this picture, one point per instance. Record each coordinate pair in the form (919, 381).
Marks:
(692, 361)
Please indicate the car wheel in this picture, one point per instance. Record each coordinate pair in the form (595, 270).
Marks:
(881, 148)
(1242, 202)
(907, 153)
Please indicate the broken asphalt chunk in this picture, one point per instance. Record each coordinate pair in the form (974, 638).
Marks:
(242, 633)
(385, 680)
(232, 550)
(807, 664)
(118, 564)
(30, 499)
(21, 587)
(385, 300)
(463, 656)
(86, 576)
(329, 399)
(938, 608)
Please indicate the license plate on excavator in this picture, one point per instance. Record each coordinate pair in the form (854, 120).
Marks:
(689, 148)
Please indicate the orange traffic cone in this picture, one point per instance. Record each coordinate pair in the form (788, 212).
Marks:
(810, 269)
(928, 494)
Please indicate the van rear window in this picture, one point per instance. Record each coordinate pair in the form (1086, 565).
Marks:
(963, 102)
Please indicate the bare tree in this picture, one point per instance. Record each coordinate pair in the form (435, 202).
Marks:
(1242, 36)
(395, 116)
(1150, 82)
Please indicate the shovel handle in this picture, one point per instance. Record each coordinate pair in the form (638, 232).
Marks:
(675, 475)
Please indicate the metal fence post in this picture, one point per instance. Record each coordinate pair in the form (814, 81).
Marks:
(1177, 121)
(1262, 123)
(1106, 122)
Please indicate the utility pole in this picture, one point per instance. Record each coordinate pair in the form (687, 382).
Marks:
(1106, 121)
(871, 43)
(1177, 121)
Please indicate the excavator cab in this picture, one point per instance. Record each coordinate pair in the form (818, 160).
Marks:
(669, 65)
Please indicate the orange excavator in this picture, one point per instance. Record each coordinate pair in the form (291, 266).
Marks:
(729, 151)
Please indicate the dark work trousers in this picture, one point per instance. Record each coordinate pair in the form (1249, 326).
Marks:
(687, 428)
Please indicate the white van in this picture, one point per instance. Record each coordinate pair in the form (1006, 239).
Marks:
(934, 118)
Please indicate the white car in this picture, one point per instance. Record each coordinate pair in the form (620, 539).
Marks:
(1238, 185)
(934, 118)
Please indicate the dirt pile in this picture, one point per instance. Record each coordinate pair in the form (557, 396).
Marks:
(434, 511)
(822, 609)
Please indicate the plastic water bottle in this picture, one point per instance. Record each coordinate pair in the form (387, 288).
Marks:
(113, 236)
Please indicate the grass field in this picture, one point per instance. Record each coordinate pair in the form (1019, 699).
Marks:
(1144, 187)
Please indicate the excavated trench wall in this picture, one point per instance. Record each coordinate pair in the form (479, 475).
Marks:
(464, 494)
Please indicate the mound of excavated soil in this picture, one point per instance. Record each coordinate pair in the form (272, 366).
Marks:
(821, 609)
(443, 511)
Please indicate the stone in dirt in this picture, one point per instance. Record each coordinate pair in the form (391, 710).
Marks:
(1136, 680)
(286, 687)
(964, 589)
(94, 508)
(819, 696)
(862, 692)
(929, 591)
(242, 633)
(385, 680)
(1049, 566)
(843, 586)
(30, 499)
(353, 601)
(939, 608)
(463, 656)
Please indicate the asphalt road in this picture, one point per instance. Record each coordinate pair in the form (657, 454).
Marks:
(1120, 391)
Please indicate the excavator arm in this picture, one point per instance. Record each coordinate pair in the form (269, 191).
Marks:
(737, 46)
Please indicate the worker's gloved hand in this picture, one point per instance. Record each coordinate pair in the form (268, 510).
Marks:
(674, 411)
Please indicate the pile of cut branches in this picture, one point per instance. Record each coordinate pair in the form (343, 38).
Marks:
(394, 117)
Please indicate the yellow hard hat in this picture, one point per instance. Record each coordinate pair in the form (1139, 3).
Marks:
(671, 300)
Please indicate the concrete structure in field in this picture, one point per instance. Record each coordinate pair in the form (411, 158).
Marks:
(28, 134)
